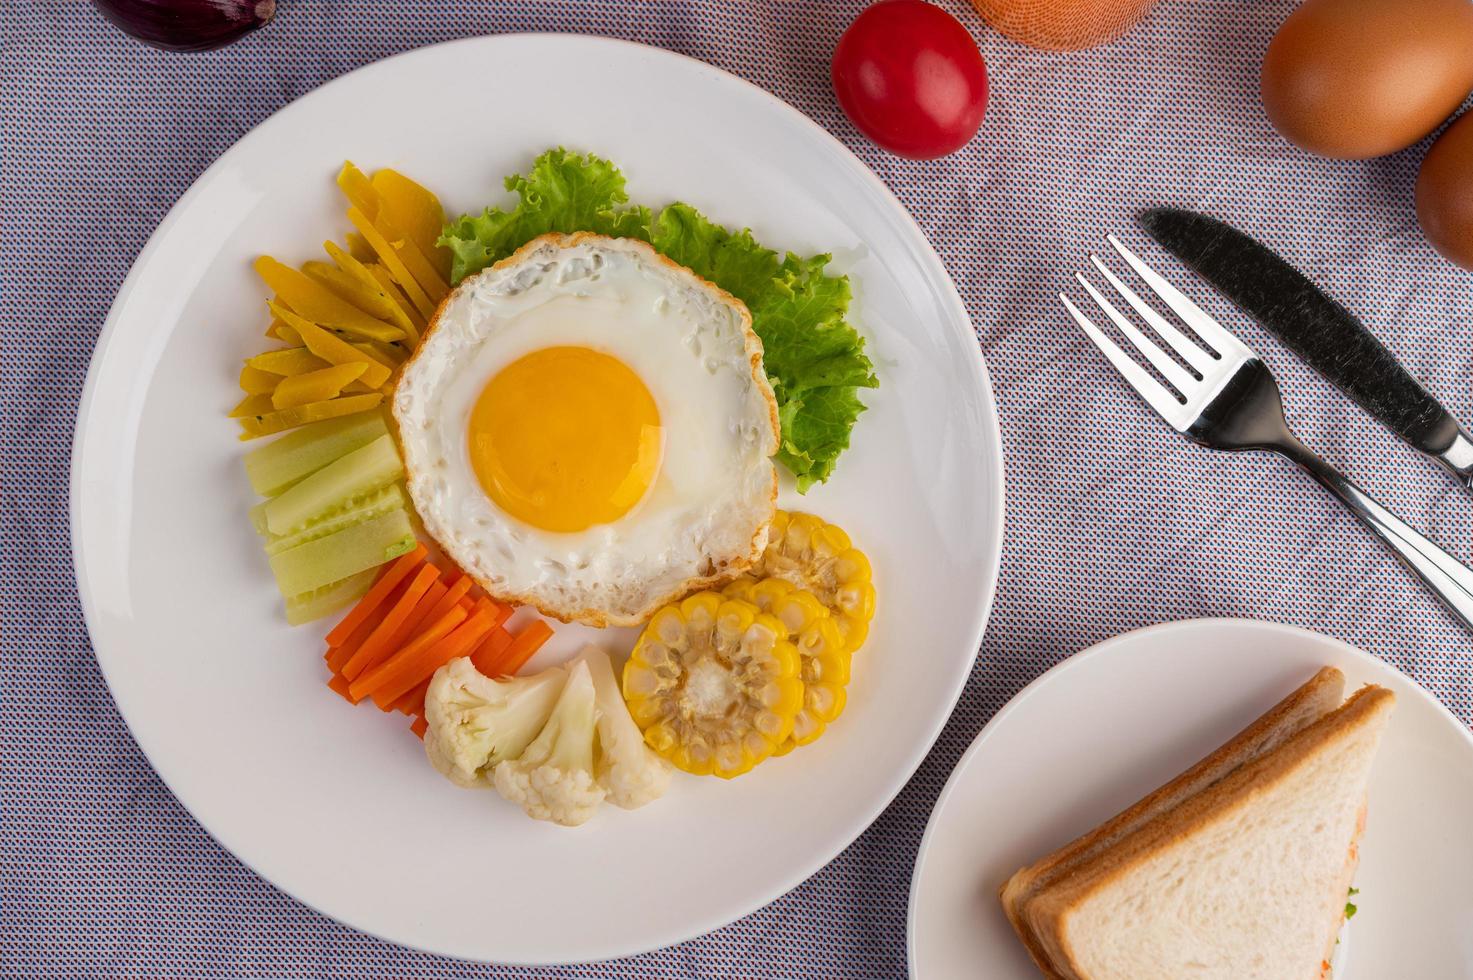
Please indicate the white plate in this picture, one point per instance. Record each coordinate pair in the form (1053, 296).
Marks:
(336, 805)
(1106, 726)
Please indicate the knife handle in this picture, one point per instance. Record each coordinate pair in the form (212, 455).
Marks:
(1450, 580)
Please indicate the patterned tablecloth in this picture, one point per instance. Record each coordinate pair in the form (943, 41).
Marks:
(1113, 521)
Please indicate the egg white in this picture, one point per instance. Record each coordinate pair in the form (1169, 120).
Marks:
(705, 516)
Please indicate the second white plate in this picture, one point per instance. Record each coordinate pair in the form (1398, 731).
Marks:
(1108, 725)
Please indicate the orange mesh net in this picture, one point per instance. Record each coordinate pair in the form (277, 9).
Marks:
(1063, 25)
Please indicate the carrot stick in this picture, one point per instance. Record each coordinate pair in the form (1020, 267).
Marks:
(391, 577)
(420, 664)
(452, 597)
(337, 656)
(503, 611)
(368, 628)
(526, 643)
(484, 659)
(419, 616)
(378, 645)
(419, 727)
(339, 685)
(416, 618)
(425, 611)
(413, 703)
(374, 676)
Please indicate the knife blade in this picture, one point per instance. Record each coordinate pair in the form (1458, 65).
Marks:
(1327, 336)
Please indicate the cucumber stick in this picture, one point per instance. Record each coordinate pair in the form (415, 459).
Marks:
(279, 464)
(381, 501)
(363, 470)
(329, 599)
(337, 556)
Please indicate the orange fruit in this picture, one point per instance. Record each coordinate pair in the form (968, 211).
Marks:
(1063, 25)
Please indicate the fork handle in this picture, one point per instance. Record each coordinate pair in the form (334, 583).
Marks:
(1450, 580)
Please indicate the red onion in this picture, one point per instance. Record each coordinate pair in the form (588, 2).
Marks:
(187, 25)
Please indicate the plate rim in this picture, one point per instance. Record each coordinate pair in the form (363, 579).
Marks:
(1094, 651)
(981, 382)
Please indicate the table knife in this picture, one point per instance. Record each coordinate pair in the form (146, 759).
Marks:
(1326, 335)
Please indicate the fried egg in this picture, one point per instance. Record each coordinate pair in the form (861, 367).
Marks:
(587, 429)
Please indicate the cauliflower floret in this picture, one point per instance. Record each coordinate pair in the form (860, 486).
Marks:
(628, 769)
(476, 722)
(553, 778)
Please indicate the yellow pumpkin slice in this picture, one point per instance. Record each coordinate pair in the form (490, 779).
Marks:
(287, 362)
(332, 348)
(389, 256)
(315, 302)
(415, 209)
(270, 423)
(252, 405)
(370, 300)
(358, 189)
(359, 248)
(397, 295)
(277, 330)
(391, 306)
(315, 386)
(386, 354)
(254, 381)
(388, 232)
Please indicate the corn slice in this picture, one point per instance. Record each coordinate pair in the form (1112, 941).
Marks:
(714, 684)
(819, 557)
(824, 659)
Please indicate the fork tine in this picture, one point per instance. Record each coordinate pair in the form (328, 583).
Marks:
(1165, 404)
(1180, 342)
(1192, 315)
(1170, 370)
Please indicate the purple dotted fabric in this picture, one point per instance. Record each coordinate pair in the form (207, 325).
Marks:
(1114, 522)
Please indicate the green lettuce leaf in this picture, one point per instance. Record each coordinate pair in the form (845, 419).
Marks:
(564, 192)
(735, 262)
(814, 359)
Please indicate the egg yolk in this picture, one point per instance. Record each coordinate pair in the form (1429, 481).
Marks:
(566, 438)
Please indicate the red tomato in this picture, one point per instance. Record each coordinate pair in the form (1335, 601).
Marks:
(911, 78)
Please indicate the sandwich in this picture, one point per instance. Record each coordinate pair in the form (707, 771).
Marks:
(1238, 868)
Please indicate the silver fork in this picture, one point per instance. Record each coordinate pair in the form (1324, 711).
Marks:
(1228, 400)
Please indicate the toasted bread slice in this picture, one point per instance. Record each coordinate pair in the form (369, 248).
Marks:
(1246, 880)
(1310, 702)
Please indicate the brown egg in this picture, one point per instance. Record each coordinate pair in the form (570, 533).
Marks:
(1445, 192)
(1361, 78)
